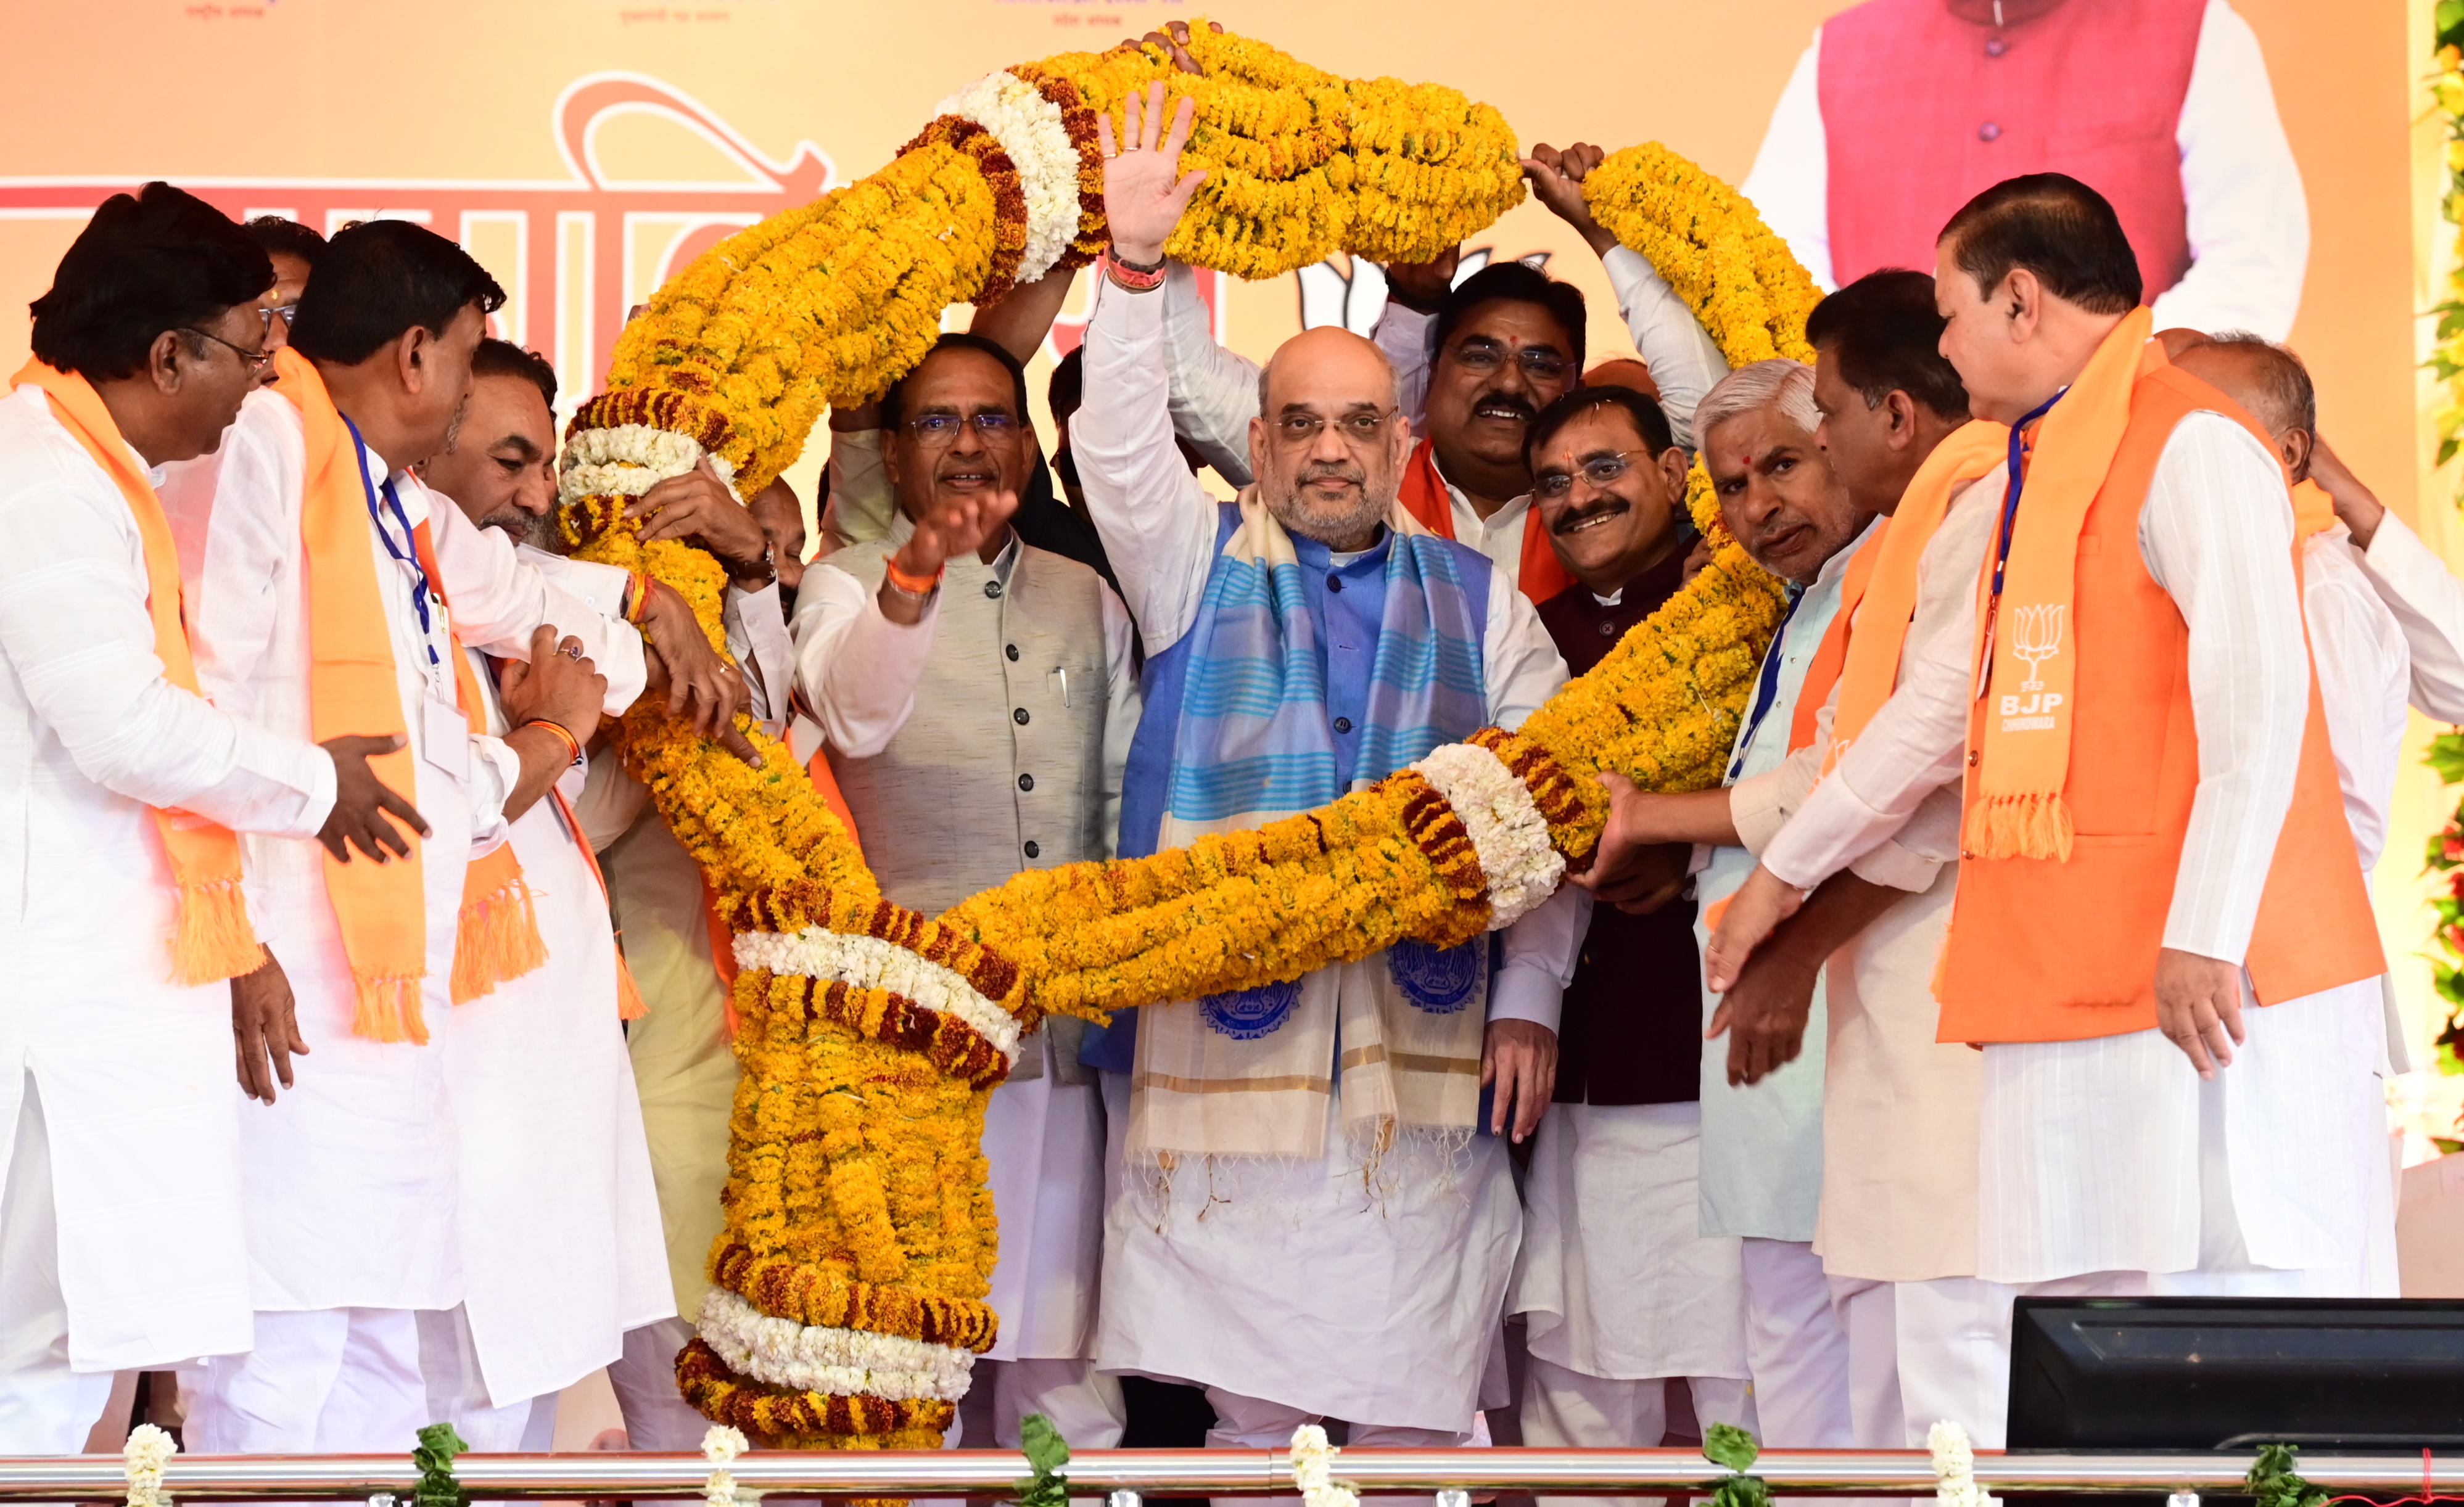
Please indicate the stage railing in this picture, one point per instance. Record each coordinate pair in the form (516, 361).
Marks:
(1126, 1476)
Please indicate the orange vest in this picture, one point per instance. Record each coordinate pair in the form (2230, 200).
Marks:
(2041, 950)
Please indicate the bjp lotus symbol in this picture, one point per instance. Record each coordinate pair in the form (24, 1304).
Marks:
(2036, 636)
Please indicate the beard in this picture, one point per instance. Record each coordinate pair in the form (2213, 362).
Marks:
(537, 530)
(1330, 525)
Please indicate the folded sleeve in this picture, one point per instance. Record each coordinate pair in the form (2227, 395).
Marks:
(856, 671)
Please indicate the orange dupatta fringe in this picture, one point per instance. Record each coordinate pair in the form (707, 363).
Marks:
(496, 935)
(214, 939)
(2023, 762)
(1869, 669)
(1423, 494)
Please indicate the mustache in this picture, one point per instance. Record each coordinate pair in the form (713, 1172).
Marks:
(1330, 471)
(1522, 406)
(1567, 523)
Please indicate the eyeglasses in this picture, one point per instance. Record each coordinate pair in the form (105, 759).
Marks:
(254, 361)
(940, 430)
(1360, 430)
(284, 311)
(1599, 470)
(1485, 357)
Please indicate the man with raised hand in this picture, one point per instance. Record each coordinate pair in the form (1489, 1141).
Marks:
(2161, 936)
(1307, 1235)
(121, 910)
(334, 586)
(975, 697)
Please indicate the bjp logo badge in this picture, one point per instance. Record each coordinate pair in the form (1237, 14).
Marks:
(2036, 636)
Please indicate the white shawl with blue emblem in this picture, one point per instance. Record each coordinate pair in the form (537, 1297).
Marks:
(1248, 1074)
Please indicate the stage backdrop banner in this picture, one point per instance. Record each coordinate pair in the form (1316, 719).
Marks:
(585, 149)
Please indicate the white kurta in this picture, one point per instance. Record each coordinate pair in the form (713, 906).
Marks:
(2248, 220)
(130, 1067)
(2094, 1149)
(1314, 1286)
(353, 1177)
(553, 1155)
(1762, 1143)
(1898, 1107)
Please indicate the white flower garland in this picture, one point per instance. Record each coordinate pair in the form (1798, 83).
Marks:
(148, 1449)
(1029, 128)
(720, 1446)
(871, 963)
(1954, 1466)
(1313, 1469)
(815, 1358)
(628, 459)
(1507, 828)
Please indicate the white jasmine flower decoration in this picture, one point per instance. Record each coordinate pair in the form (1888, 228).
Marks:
(1313, 1469)
(818, 1358)
(1505, 824)
(720, 1446)
(1029, 128)
(150, 1449)
(871, 963)
(1954, 1467)
(630, 459)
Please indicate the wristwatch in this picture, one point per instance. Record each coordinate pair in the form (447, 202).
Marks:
(767, 563)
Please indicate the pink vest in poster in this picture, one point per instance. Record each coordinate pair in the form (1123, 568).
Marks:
(1924, 110)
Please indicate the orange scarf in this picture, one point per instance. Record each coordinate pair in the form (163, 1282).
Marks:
(1423, 494)
(1822, 672)
(1870, 665)
(380, 909)
(628, 994)
(215, 939)
(2023, 760)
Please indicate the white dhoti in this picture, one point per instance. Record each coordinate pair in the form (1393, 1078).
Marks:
(1324, 1288)
(1616, 1278)
(2110, 1155)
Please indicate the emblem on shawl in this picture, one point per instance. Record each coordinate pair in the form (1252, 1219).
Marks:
(1245, 1015)
(2036, 636)
(1437, 979)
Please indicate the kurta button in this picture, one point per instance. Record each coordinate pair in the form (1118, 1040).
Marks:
(1608, 630)
(1988, 132)
(1010, 649)
(1026, 783)
(1018, 716)
(1995, 47)
(1334, 583)
(1343, 723)
(1972, 758)
(1034, 850)
(992, 588)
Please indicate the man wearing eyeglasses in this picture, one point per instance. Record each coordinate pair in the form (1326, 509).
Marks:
(1316, 1215)
(1619, 1288)
(294, 248)
(976, 699)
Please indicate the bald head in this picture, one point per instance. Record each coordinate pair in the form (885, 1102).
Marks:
(1328, 444)
(2270, 384)
(1622, 371)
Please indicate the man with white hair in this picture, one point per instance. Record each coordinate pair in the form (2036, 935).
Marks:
(1762, 1097)
(1305, 1236)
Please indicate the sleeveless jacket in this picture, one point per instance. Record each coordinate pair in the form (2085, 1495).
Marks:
(1001, 766)
(1922, 111)
(2042, 950)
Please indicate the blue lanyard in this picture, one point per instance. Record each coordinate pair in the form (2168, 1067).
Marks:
(376, 516)
(1765, 684)
(2010, 493)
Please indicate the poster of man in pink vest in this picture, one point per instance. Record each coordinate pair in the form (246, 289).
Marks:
(1899, 111)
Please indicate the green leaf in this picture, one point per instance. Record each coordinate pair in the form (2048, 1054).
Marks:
(1047, 1453)
(2447, 18)
(438, 1445)
(2273, 1482)
(2446, 450)
(1725, 1444)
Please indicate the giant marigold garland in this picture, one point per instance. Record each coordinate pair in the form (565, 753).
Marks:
(850, 1283)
